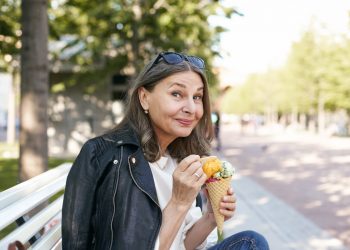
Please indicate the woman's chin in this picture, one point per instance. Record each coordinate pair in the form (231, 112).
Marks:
(184, 132)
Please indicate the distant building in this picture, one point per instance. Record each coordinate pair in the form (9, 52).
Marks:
(76, 112)
(84, 110)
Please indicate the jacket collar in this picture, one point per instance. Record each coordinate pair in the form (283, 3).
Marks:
(122, 136)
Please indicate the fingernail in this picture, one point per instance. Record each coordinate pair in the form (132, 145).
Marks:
(224, 199)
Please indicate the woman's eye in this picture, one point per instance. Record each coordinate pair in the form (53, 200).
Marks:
(176, 94)
(198, 97)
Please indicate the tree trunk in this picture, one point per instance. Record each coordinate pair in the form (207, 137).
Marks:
(321, 123)
(294, 116)
(33, 158)
(12, 108)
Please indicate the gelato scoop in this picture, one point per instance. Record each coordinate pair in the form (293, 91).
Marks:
(214, 168)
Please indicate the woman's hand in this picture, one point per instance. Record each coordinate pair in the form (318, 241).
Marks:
(188, 178)
(227, 205)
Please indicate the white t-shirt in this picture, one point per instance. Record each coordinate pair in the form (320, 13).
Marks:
(162, 171)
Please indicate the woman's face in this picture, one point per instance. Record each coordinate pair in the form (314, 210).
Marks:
(175, 105)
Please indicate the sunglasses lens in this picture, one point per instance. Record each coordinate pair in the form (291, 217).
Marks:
(196, 61)
(172, 58)
(176, 58)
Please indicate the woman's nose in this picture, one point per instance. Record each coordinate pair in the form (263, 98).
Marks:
(189, 106)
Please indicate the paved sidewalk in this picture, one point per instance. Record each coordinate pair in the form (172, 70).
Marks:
(283, 226)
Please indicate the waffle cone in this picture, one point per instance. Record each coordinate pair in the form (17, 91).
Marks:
(216, 191)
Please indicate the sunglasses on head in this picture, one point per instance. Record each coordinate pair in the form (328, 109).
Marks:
(173, 58)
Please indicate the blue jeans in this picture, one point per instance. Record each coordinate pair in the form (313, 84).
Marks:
(245, 240)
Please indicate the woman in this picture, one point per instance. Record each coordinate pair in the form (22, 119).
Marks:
(136, 187)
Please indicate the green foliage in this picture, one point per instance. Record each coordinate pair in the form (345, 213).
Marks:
(5, 231)
(125, 34)
(9, 34)
(336, 84)
(8, 173)
(304, 67)
(103, 37)
(260, 93)
(319, 66)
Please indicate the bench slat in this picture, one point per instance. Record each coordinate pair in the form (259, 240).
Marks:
(23, 206)
(38, 221)
(24, 197)
(19, 191)
(58, 245)
(51, 240)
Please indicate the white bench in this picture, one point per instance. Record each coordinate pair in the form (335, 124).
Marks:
(43, 229)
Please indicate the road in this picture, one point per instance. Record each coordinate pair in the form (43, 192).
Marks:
(310, 173)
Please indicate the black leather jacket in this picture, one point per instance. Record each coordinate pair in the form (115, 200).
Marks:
(110, 200)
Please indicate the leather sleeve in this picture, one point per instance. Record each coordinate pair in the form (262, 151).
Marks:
(79, 200)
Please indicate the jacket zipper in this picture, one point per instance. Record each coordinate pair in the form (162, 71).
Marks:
(141, 188)
(114, 198)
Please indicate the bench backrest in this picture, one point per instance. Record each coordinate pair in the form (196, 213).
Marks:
(16, 202)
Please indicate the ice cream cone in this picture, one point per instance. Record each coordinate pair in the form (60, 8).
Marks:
(216, 190)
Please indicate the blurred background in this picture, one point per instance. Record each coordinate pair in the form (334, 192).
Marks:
(279, 74)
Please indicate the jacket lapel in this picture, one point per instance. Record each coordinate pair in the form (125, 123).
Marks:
(142, 174)
(138, 166)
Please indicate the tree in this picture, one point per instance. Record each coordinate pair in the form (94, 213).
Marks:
(317, 65)
(337, 91)
(34, 89)
(125, 34)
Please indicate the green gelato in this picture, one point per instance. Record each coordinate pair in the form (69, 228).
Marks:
(227, 171)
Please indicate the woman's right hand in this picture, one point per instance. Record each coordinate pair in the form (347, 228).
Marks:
(188, 179)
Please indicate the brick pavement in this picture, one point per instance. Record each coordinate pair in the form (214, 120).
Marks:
(283, 225)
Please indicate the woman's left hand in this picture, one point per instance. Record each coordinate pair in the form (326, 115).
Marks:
(227, 204)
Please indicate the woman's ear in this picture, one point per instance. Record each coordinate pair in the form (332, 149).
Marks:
(143, 97)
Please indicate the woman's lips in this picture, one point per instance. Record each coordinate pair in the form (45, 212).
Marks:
(185, 122)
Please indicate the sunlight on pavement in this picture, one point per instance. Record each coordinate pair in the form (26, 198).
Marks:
(335, 184)
(311, 158)
(334, 198)
(289, 163)
(232, 152)
(340, 159)
(285, 177)
(276, 175)
(313, 204)
(325, 244)
(344, 212)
